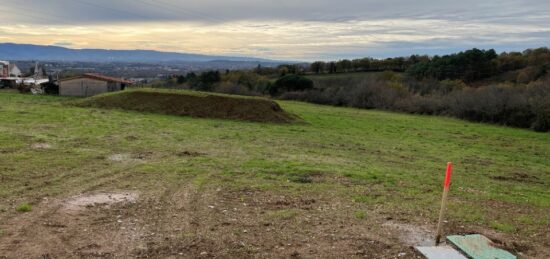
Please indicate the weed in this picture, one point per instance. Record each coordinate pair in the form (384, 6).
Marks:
(360, 215)
(504, 227)
(25, 207)
(300, 178)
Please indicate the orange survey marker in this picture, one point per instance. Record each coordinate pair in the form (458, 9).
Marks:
(446, 185)
(448, 175)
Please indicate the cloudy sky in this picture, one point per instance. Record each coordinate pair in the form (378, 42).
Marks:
(280, 29)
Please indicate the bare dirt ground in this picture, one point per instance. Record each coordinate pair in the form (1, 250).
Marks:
(184, 222)
(190, 222)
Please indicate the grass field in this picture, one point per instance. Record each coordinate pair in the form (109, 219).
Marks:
(326, 187)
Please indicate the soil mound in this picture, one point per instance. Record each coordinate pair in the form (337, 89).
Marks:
(195, 104)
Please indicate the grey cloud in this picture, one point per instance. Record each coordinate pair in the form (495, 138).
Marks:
(101, 11)
(314, 29)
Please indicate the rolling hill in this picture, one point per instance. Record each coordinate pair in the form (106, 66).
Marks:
(12, 51)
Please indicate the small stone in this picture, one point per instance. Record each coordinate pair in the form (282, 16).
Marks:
(204, 253)
(401, 254)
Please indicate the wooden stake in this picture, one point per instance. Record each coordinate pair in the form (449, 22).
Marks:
(446, 185)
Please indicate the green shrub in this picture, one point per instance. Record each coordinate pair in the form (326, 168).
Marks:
(360, 215)
(291, 83)
(25, 207)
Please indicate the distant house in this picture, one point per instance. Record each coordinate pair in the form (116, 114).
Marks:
(9, 74)
(9, 70)
(14, 71)
(91, 84)
(4, 69)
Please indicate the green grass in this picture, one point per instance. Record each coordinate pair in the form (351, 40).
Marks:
(395, 162)
(504, 227)
(191, 103)
(25, 207)
(360, 215)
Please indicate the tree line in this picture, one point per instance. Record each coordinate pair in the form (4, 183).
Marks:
(468, 66)
(511, 88)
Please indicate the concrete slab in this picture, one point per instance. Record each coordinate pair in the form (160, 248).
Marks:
(479, 247)
(439, 252)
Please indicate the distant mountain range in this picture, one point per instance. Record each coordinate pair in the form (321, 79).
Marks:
(11, 51)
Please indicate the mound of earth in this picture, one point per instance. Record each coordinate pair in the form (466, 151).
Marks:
(195, 104)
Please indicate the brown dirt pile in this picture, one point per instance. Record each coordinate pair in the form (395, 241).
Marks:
(195, 104)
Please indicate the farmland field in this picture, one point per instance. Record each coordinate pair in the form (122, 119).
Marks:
(342, 183)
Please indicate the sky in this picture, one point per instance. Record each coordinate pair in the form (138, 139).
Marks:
(305, 30)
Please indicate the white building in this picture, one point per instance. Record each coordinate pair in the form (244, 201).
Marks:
(9, 70)
(11, 76)
(14, 71)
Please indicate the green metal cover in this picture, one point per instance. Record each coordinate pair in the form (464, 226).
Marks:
(439, 252)
(479, 247)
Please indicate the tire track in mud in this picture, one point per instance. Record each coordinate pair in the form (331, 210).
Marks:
(174, 222)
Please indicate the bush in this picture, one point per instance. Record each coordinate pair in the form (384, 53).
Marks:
(25, 207)
(540, 103)
(206, 81)
(23, 88)
(51, 88)
(291, 83)
(525, 106)
(230, 88)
